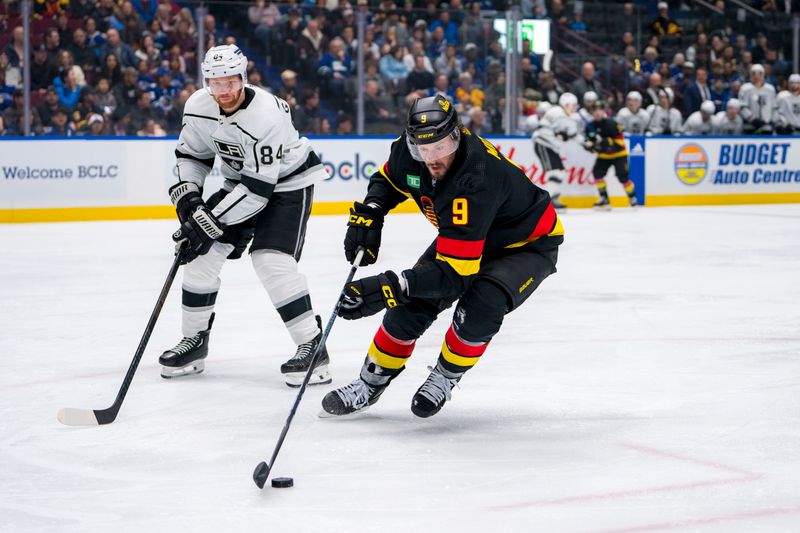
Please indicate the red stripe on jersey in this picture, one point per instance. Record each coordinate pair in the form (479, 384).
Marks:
(389, 345)
(546, 222)
(461, 348)
(459, 248)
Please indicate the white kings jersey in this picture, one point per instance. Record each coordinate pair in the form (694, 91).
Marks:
(664, 121)
(757, 102)
(554, 126)
(632, 123)
(722, 125)
(695, 125)
(788, 110)
(260, 149)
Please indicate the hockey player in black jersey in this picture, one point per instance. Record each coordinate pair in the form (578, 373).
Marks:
(604, 137)
(498, 238)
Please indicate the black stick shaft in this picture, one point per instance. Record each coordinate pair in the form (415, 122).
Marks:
(302, 390)
(106, 416)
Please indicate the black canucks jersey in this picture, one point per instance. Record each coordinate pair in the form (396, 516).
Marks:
(607, 140)
(484, 207)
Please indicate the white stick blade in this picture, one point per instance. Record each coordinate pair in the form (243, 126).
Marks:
(77, 417)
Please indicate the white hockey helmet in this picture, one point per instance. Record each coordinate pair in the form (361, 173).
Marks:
(794, 78)
(634, 95)
(757, 68)
(543, 107)
(589, 97)
(224, 60)
(733, 103)
(567, 99)
(708, 107)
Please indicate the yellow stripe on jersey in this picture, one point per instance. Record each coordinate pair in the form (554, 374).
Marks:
(386, 176)
(457, 360)
(464, 267)
(384, 359)
(557, 230)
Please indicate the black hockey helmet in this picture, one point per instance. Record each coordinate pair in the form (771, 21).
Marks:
(430, 120)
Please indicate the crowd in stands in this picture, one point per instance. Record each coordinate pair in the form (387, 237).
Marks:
(126, 67)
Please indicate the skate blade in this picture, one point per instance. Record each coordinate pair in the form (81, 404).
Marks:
(320, 376)
(602, 208)
(169, 372)
(350, 416)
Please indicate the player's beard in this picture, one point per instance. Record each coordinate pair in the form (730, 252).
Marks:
(231, 104)
(437, 169)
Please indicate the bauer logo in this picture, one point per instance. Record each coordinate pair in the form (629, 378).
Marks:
(691, 164)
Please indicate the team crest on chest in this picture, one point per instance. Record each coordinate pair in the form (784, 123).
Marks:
(231, 153)
(428, 210)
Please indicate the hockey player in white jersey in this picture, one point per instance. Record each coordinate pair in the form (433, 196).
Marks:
(269, 173)
(758, 103)
(728, 122)
(557, 126)
(788, 116)
(664, 119)
(699, 122)
(585, 112)
(632, 117)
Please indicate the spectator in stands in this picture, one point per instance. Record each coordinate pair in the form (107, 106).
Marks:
(125, 93)
(105, 98)
(334, 68)
(16, 48)
(663, 24)
(676, 67)
(449, 28)
(67, 89)
(115, 45)
(87, 106)
(414, 51)
(103, 11)
(213, 34)
(311, 45)
(437, 44)
(146, 9)
(477, 122)
(586, 82)
(759, 51)
(578, 25)
(151, 128)
(60, 126)
(83, 53)
(651, 93)
(392, 67)
(448, 63)
(719, 94)
(308, 118)
(52, 43)
(13, 74)
(14, 115)
(697, 92)
(467, 94)
(550, 88)
(627, 40)
(441, 85)
(699, 53)
(94, 37)
(132, 25)
(47, 9)
(650, 62)
(111, 70)
(265, 16)
(47, 107)
(473, 63)
(3, 131)
(174, 117)
(344, 125)
(378, 114)
(779, 69)
(165, 17)
(627, 22)
(289, 35)
(471, 30)
(740, 46)
(288, 89)
(165, 89)
(419, 79)
(142, 112)
(148, 52)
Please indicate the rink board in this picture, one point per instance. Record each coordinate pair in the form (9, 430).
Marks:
(47, 180)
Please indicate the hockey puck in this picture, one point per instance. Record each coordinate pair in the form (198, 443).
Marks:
(282, 482)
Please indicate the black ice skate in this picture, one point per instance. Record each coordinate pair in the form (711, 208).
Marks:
(361, 393)
(633, 201)
(294, 370)
(432, 395)
(557, 203)
(603, 203)
(187, 357)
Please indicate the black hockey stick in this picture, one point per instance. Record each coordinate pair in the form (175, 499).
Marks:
(261, 473)
(89, 417)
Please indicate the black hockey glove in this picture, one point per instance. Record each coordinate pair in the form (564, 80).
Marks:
(186, 197)
(363, 231)
(371, 295)
(201, 230)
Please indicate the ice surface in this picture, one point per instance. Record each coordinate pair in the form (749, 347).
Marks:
(652, 384)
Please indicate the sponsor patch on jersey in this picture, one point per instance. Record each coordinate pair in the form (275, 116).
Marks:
(412, 180)
(231, 153)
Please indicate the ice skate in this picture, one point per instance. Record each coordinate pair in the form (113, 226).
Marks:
(187, 357)
(633, 201)
(603, 204)
(432, 395)
(294, 370)
(360, 394)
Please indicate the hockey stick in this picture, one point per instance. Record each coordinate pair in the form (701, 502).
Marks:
(261, 473)
(88, 417)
